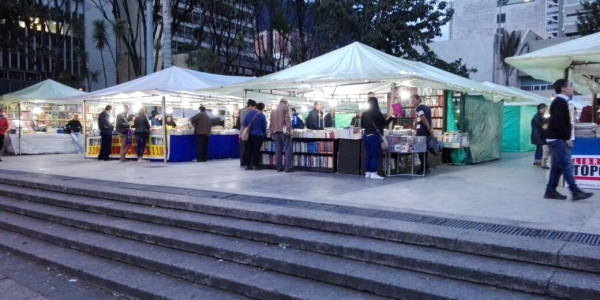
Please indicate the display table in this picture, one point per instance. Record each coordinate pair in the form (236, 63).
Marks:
(181, 147)
(43, 143)
(586, 162)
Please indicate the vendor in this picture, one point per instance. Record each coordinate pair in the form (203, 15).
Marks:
(587, 113)
(170, 122)
(155, 119)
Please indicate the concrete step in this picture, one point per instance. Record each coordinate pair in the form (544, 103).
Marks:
(242, 279)
(109, 274)
(555, 253)
(299, 262)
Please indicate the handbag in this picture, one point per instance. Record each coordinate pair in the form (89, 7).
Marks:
(245, 134)
(432, 145)
(384, 143)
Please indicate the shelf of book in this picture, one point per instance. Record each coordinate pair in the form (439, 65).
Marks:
(310, 154)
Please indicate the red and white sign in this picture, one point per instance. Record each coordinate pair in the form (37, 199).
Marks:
(586, 169)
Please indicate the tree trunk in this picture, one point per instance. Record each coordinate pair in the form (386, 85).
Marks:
(103, 68)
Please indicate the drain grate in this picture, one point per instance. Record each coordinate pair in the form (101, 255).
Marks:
(581, 238)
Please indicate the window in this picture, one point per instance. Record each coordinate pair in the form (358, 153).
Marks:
(530, 84)
(501, 18)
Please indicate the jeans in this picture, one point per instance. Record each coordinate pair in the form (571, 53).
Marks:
(546, 159)
(562, 164)
(283, 145)
(76, 136)
(141, 140)
(252, 147)
(539, 151)
(105, 145)
(373, 150)
(202, 145)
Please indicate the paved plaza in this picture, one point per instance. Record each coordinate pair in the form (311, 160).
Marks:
(508, 191)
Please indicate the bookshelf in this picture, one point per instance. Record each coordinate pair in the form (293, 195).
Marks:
(310, 154)
(434, 99)
(41, 116)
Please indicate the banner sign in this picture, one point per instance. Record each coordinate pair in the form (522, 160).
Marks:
(586, 169)
(155, 147)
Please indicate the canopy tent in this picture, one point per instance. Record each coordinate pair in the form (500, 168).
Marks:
(43, 91)
(352, 71)
(518, 96)
(580, 56)
(170, 82)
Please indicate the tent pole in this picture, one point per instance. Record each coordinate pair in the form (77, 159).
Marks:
(594, 108)
(390, 100)
(84, 130)
(166, 142)
(20, 126)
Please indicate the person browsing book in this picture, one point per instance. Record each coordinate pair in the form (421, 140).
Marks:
(423, 125)
(373, 122)
(281, 132)
(257, 122)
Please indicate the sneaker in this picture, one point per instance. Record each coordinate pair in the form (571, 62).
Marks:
(375, 176)
(554, 195)
(581, 195)
(545, 167)
(537, 163)
(367, 174)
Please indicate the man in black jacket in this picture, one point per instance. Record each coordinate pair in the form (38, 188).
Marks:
(122, 129)
(538, 134)
(560, 144)
(315, 117)
(106, 129)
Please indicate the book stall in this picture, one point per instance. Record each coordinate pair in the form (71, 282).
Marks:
(400, 155)
(38, 116)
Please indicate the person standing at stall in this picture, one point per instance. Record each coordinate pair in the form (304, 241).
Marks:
(122, 128)
(4, 127)
(281, 132)
(355, 122)
(258, 129)
(297, 122)
(202, 128)
(560, 142)
(315, 117)
(423, 126)
(538, 136)
(142, 133)
(250, 106)
(373, 122)
(106, 129)
(75, 128)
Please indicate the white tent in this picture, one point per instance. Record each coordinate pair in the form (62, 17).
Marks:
(45, 90)
(518, 96)
(580, 56)
(353, 70)
(173, 82)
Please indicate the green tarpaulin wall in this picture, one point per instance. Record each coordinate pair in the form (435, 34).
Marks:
(343, 119)
(482, 119)
(516, 129)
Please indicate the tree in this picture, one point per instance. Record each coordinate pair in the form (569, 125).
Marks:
(588, 19)
(457, 67)
(510, 45)
(204, 60)
(100, 38)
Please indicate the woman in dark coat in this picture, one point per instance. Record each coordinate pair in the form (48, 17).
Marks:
(538, 136)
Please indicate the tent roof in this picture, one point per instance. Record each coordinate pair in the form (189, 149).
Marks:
(172, 81)
(352, 65)
(518, 95)
(45, 90)
(549, 64)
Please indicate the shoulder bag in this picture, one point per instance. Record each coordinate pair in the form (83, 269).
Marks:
(384, 143)
(245, 134)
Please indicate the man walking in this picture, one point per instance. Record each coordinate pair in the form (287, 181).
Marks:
(315, 117)
(106, 129)
(559, 140)
(75, 127)
(122, 128)
(202, 128)
(538, 134)
(281, 131)
(423, 127)
(4, 127)
(250, 106)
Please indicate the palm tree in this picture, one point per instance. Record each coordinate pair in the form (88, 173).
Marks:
(510, 43)
(100, 38)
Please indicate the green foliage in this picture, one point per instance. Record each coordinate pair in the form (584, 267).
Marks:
(457, 67)
(588, 19)
(204, 60)
(510, 43)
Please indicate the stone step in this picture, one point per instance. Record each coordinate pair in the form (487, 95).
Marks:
(119, 277)
(242, 279)
(554, 253)
(299, 262)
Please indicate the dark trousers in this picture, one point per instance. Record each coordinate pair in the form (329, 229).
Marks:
(252, 153)
(202, 144)
(423, 157)
(105, 145)
(141, 140)
(1, 143)
(243, 161)
(539, 152)
(562, 164)
(373, 150)
(283, 146)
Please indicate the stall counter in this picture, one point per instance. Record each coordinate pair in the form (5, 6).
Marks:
(182, 148)
(43, 143)
(586, 162)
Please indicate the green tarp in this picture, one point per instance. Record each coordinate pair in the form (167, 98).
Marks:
(483, 121)
(516, 129)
